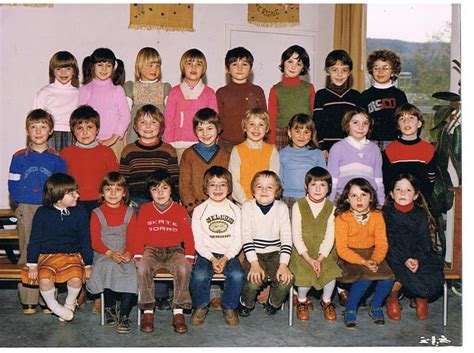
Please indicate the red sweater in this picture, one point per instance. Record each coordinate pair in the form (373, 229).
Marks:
(163, 229)
(89, 166)
(114, 217)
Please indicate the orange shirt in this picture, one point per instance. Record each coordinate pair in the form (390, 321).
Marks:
(352, 235)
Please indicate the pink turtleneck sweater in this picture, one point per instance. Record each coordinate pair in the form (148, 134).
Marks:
(110, 102)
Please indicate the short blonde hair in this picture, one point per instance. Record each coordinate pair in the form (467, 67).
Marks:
(154, 113)
(39, 115)
(267, 174)
(255, 113)
(193, 54)
(146, 55)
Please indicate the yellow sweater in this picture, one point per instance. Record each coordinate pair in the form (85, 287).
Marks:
(352, 235)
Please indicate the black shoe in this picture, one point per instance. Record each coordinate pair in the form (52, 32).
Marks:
(270, 309)
(123, 325)
(243, 310)
(163, 303)
(111, 317)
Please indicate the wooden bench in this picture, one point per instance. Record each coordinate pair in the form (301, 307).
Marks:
(9, 237)
(163, 275)
(10, 272)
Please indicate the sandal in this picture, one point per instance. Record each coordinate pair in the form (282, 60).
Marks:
(350, 319)
(377, 315)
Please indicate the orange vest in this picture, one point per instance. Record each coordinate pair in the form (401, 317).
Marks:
(251, 162)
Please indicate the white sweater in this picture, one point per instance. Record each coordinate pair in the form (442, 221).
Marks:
(265, 233)
(217, 229)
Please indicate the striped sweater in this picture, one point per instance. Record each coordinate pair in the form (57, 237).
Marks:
(346, 162)
(138, 161)
(265, 233)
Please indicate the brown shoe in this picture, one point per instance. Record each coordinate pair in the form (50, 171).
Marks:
(216, 303)
(413, 303)
(96, 306)
(329, 310)
(198, 316)
(147, 323)
(343, 297)
(179, 324)
(422, 308)
(302, 311)
(393, 306)
(231, 317)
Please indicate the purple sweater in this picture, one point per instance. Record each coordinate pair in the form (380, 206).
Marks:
(179, 113)
(111, 103)
(347, 162)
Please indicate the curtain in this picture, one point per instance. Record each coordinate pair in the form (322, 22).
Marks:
(350, 33)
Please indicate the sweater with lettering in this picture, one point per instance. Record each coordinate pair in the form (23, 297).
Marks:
(163, 229)
(217, 228)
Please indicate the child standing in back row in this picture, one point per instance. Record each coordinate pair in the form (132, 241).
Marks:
(291, 95)
(29, 170)
(60, 97)
(335, 99)
(147, 88)
(185, 99)
(238, 96)
(104, 76)
(252, 155)
(383, 98)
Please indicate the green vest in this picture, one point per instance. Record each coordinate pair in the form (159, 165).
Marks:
(292, 100)
(313, 231)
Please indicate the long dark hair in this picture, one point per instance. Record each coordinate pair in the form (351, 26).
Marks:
(103, 55)
(343, 205)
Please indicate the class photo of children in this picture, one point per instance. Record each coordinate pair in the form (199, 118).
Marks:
(230, 175)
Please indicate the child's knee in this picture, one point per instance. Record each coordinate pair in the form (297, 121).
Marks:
(75, 282)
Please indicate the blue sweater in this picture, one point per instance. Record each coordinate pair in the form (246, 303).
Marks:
(294, 163)
(28, 173)
(54, 233)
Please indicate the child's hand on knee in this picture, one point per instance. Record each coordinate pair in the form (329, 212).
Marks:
(126, 257)
(284, 274)
(33, 272)
(256, 274)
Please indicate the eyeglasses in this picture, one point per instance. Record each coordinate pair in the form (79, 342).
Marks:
(382, 68)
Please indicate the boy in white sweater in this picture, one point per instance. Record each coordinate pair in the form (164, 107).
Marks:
(267, 243)
(217, 237)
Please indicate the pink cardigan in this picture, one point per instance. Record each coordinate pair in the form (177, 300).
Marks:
(179, 113)
(111, 103)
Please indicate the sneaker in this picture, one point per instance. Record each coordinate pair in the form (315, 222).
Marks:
(29, 309)
(302, 311)
(199, 315)
(163, 303)
(111, 317)
(230, 316)
(243, 311)
(343, 297)
(123, 325)
(350, 319)
(377, 315)
(270, 309)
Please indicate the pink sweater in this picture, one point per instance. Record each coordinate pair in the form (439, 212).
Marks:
(110, 102)
(179, 113)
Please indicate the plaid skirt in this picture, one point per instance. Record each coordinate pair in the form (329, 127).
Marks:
(59, 267)
(281, 137)
(61, 139)
(352, 273)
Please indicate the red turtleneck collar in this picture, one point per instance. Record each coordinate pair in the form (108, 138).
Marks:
(404, 209)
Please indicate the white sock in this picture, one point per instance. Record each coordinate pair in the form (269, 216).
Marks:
(177, 311)
(72, 294)
(147, 311)
(55, 307)
(302, 293)
(327, 291)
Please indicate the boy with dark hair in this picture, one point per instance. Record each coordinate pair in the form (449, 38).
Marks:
(88, 161)
(29, 169)
(238, 96)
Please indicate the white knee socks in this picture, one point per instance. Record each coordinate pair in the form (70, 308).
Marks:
(327, 291)
(55, 307)
(72, 294)
(302, 293)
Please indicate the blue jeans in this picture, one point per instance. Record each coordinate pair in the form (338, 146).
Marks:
(358, 289)
(200, 285)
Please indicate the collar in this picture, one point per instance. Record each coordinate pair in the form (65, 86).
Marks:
(291, 81)
(194, 92)
(265, 208)
(58, 84)
(107, 82)
(145, 81)
(383, 85)
(29, 150)
(408, 142)
(254, 145)
(357, 144)
(404, 209)
(148, 147)
(361, 217)
(90, 145)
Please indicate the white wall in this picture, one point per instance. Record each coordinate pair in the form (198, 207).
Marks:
(30, 35)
